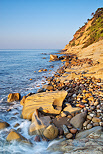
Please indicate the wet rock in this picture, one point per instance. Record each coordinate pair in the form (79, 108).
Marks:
(14, 135)
(51, 132)
(78, 120)
(13, 97)
(37, 138)
(48, 102)
(38, 125)
(23, 100)
(3, 124)
(16, 125)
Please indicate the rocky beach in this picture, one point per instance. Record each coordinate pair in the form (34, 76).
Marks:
(67, 111)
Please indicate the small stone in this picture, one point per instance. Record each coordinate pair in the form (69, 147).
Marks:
(89, 117)
(91, 114)
(70, 126)
(30, 79)
(69, 136)
(73, 130)
(96, 103)
(65, 129)
(86, 123)
(96, 124)
(95, 119)
(89, 126)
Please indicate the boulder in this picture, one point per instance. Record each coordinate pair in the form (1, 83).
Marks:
(54, 57)
(13, 97)
(85, 133)
(59, 122)
(38, 125)
(3, 124)
(14, 135)
(51, 132)
(48, 102)
(78, 120)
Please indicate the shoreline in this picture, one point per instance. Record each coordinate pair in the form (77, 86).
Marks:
(84, 95)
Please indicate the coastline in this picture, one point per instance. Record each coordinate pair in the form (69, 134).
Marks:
(72, 77)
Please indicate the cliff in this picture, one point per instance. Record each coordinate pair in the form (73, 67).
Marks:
(89, 33)
(88, 43)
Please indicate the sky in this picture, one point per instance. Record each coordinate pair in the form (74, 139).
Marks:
(42, 24)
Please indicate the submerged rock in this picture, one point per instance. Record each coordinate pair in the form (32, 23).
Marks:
(14, 135)
(14, 97)
(48, 102)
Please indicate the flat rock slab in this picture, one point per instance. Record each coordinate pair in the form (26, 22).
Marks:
(48, 102)
(71, 109)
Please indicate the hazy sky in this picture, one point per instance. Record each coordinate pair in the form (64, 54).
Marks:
(42, 24)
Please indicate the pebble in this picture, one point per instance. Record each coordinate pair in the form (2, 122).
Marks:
(73, 130)
(95, 119)
(89, 126)
(69, 136)
(86, 123)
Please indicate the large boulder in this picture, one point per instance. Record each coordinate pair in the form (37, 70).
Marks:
(78, 120)
(38, 125)
(54, 57)
(51, 132)
(13, 97)
(3, 124)
(48, 102)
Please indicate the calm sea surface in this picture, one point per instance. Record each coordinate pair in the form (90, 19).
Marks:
(16, 69)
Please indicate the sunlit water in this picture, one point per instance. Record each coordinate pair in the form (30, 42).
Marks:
(16, 69)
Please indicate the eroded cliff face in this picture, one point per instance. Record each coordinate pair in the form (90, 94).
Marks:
(90, 33)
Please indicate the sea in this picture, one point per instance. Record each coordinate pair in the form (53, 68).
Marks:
(19, 73)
